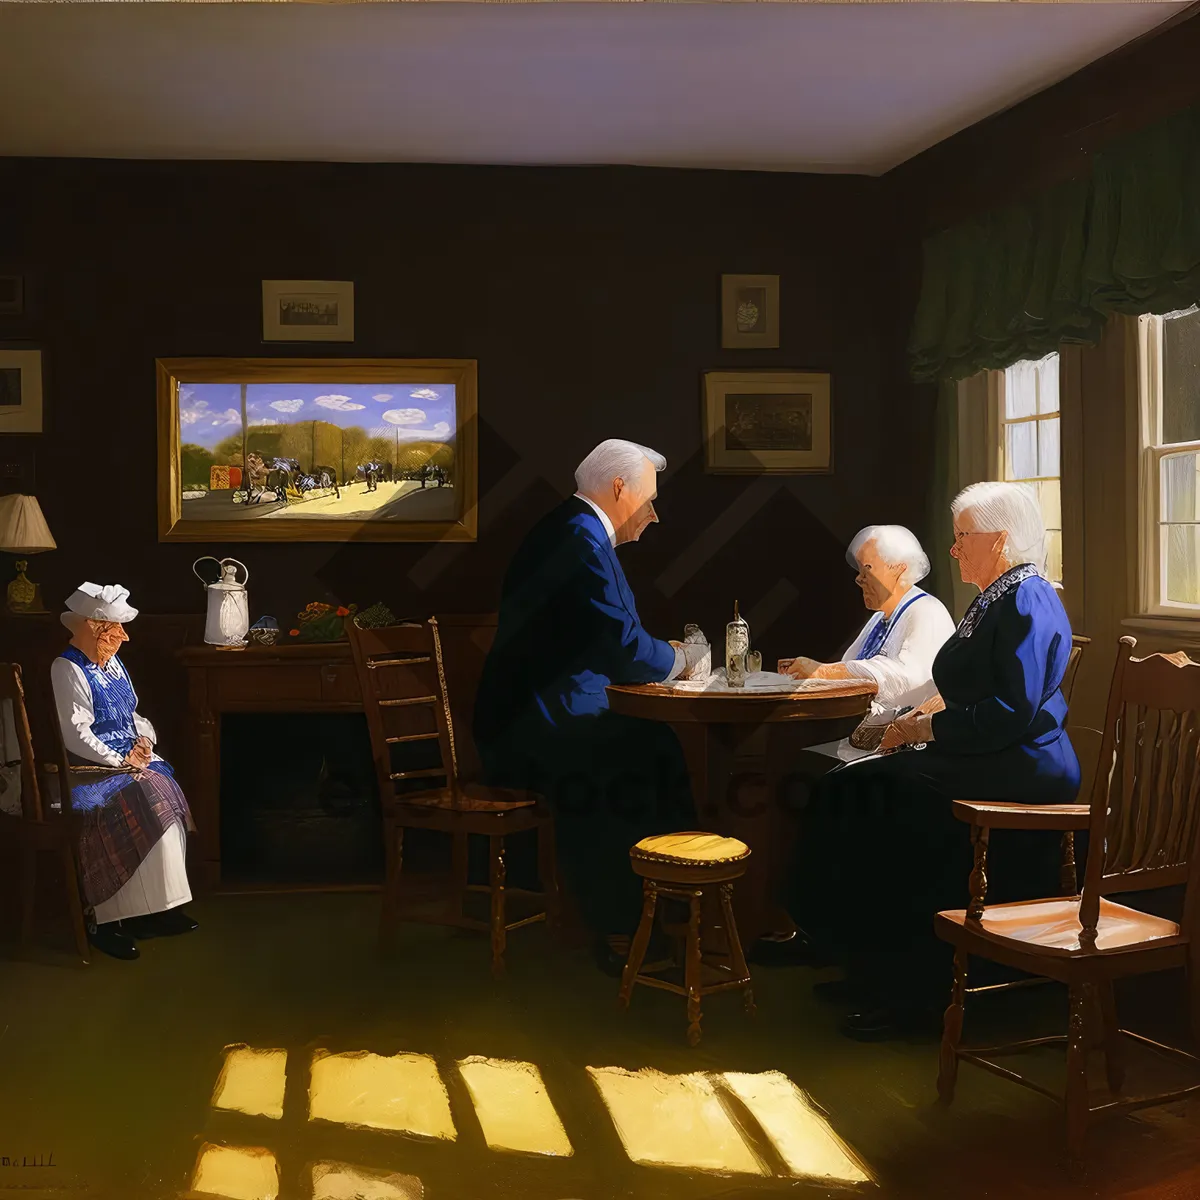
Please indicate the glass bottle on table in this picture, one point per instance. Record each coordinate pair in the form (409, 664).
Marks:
(737, 644)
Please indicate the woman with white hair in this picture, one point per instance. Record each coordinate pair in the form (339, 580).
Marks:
(907, 627)
(133, 818)
(880, 849)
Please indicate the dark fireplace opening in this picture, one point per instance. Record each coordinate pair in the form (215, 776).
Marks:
(299, 800)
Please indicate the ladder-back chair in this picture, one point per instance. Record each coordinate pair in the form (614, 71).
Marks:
(418, 683)
(1143, 827)
(40, 828)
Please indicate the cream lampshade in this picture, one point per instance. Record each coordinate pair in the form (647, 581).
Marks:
(23, 530)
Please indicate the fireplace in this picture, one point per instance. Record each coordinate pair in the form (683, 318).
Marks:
(299, 800)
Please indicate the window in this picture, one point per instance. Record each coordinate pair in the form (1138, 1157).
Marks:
(1027, 443)
(1170, 463)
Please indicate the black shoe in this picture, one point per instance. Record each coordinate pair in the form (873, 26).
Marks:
(798, 951)
(162, 924)
(885, 1023)
(114, 940)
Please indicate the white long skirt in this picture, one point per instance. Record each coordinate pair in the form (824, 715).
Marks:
(159, 883)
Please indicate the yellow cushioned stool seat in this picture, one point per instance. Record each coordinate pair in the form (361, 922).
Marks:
(698, 870)
(694, 849)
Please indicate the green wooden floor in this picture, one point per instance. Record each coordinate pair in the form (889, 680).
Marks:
(110, 1069)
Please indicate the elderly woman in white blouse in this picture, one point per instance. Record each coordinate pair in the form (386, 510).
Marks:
(132, 817)
(906, 629)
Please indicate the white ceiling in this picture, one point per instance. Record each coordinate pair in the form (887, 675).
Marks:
(796, 87)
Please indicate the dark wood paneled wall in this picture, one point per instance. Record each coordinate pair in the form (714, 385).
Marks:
(589, 297)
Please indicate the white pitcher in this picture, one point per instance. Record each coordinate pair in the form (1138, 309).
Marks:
(228, 603)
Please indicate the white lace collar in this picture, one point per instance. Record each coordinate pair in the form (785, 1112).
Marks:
(1011, 578)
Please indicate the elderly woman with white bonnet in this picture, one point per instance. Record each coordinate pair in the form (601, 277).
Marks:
(880, 850)
(133, 817)
(907, 627)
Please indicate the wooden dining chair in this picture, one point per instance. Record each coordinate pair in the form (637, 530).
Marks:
(1143, 827)
(1068, 876)
(41, 828)
(418, 683)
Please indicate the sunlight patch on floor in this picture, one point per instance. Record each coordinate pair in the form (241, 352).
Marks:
(804, 1138)
(674, 1121)
(339, 1181)
(252, 1082)
(513, 1107)
(403, 1093)
(236, 1173)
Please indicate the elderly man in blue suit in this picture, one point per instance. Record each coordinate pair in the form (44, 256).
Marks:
(569, 627)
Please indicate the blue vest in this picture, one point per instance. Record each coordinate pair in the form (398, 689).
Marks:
(113, 701)
(877, 638)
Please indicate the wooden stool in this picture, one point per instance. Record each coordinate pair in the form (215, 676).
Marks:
(688, 867)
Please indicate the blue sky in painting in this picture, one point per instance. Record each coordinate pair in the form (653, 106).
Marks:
(211, 412)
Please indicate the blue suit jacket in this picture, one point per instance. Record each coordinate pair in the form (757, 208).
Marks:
(568, 627)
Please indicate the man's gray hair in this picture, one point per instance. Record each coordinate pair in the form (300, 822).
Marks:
(1007, 507)
(895, 545)
(614, 459)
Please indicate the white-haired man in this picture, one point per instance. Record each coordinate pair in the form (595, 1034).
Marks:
(568, 627)
(906, 629)
(133, 818)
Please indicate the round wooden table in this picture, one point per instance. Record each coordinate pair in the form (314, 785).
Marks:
(741, 752)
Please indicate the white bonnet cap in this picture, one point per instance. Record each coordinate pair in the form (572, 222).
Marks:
(97, 603)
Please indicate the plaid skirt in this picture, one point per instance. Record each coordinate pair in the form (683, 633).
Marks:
(120, 821)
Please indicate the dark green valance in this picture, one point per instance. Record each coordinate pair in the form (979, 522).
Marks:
(1017, 282)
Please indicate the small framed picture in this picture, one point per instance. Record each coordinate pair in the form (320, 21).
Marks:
(767, 423)
(307, 310)
(12, 296)
(20, 391)
(750, 312)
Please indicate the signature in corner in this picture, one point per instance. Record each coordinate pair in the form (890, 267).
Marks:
(27, 1160)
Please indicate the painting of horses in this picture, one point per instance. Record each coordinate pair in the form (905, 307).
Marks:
(317, 450)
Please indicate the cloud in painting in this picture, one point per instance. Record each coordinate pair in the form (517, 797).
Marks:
(405, 416)
(287, 406)
(193, 412)
(413, 433)
(383, 397)
(263, 421)
(230, 416)
(423, 394)
(339, 403)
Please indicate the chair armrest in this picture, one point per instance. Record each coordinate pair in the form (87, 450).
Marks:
(1003, 814)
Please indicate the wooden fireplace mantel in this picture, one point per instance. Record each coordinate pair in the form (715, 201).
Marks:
(276, 679)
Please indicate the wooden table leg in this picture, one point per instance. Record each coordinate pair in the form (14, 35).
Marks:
(204, 783)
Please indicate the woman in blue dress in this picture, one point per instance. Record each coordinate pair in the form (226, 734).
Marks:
(131, 816)
(880, 849)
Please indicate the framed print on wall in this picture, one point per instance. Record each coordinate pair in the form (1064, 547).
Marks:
(20, 390)
(307, 310)
(767, 423)
(317, 450)
(750, 312)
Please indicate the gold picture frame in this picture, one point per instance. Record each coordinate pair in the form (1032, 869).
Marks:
(767, 423)
(750, 312)
(20, 388)
(403, 426)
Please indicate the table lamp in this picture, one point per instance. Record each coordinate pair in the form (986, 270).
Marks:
(23, 530)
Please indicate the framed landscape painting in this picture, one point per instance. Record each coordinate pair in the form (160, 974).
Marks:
(767, 423)
(317, 450)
